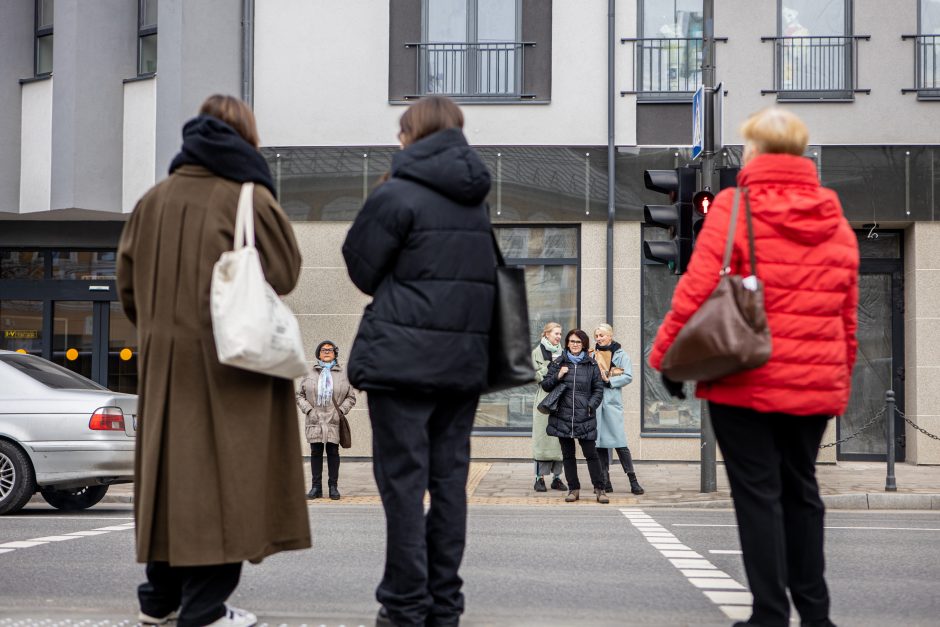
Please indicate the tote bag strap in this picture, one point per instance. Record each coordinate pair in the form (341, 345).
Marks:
(732, 227)
(244, 217)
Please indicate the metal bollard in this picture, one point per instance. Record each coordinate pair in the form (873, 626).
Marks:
(890, 483)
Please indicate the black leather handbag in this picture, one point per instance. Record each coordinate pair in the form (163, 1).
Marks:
(510, 352)
(550, 403)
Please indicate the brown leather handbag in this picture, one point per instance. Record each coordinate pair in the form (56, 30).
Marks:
(345, 435)
(728, 334)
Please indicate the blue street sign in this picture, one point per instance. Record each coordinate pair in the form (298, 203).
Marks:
(698, 122)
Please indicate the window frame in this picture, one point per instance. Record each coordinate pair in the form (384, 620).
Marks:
(41, 32)
(472, 36)
(667, 96)
(537, 261)
(145, 31)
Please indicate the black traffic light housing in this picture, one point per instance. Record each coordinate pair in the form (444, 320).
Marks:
(680, 185)
(702, 200)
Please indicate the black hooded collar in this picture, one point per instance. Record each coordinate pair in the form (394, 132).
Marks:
(446, 163)
(216, 146)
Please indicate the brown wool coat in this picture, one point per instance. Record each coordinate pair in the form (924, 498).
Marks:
(322, 421)
(218, 459)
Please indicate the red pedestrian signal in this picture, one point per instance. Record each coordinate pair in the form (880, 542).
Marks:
(702, 201)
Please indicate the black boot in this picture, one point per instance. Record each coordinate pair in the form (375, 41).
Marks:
(607, 485)
(316, 491)
(634, 484)
(334, 492)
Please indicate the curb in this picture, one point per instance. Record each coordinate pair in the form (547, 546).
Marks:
(858, 501)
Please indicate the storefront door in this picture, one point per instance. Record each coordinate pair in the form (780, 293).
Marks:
(880, 357)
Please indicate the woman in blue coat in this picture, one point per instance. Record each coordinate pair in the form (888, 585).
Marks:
(616, 371)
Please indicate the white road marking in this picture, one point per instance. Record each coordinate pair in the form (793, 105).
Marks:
(8, 547)
(827, 527)
(724, 551)
(729, 595)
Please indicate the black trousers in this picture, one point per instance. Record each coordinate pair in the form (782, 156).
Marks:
(316, 463)
(771, 464)
(422, 443)
(198, 592)
(623, 453)
(571, 464)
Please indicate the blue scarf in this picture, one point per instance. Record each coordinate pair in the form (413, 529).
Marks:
(325, 384)
(577, 358)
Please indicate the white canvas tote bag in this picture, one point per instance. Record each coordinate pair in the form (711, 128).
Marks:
(253, 328)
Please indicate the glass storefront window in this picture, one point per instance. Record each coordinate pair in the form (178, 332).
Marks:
(552, 290)
(21, 265)
(84, 265)
(21, 326)
(662, 412)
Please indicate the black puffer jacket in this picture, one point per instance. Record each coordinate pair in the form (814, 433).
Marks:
(422, 247)
(576, 415)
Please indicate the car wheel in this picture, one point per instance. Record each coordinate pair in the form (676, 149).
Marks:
(17, 480)
(74, 499)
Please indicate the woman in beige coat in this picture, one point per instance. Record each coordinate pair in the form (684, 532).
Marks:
(324, 397)
(219, 478)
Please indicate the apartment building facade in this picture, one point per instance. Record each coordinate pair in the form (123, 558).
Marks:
(93, 96)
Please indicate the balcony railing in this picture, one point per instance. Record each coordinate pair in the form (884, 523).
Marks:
(666, 68)
(816, 68)
(471, 70)
(926, 66)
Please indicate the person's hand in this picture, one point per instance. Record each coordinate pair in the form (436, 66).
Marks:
(673, 387)
(562, 372)
(604, 376)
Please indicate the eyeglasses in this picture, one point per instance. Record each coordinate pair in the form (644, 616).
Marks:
(578, 342)
(327, 350)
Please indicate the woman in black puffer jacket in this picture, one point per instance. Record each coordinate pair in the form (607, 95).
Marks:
(575, 416)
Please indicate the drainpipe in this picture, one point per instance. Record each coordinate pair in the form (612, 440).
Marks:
(611, 152)
(248, 51)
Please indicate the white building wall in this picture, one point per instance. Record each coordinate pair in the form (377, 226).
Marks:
(321, 79)
(36, 147)
(139, 141)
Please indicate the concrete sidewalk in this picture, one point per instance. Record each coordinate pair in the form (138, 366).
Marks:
(845, 485)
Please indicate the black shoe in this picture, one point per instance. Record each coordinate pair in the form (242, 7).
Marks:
(540, 485)
(334, 493)
(382, 619)
(819, 622)
(607, 486)
(558, 484)
(315, 492)
(635, 486)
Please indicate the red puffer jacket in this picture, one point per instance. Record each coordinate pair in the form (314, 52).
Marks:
(807, 257)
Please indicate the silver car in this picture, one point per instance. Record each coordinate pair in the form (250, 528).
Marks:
(61, 434)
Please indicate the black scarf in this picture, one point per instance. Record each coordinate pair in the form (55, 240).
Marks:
(614, 347)
(216, 146)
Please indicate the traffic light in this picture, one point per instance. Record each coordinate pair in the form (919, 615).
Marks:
(679, 184)
(700, 204)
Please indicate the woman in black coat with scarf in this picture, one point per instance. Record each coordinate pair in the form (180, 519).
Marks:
(575, 417)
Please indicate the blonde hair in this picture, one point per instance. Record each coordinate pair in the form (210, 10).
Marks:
(548, 328)
(776, 130)
(605, 328)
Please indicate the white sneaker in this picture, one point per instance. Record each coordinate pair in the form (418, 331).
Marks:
(146, 619)
(235, 617)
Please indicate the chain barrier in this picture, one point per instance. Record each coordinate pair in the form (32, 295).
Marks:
(867, 425)
(916, 426)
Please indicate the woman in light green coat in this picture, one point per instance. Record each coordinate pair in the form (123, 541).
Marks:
(545, 448)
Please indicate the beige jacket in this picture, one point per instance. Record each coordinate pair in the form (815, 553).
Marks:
(322, 422)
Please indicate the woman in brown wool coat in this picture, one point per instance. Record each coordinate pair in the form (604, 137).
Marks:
(219, 478)
(324, 397)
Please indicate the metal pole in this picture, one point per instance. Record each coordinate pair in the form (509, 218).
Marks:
(709, 471)
(611, 154)
(248, 51)
(890, 482)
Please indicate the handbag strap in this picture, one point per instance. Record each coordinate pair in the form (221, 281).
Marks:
(732, 227)
(336, 405)
(500, 261)
(244, 217)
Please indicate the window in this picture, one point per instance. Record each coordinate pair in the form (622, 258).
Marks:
(814, 51)
(668, 53)
(50, 375)
(550, 256)
(43, 51)
(470, 48)
(146, 37)
(926, 51)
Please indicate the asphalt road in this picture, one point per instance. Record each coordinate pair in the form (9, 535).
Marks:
(574, 565)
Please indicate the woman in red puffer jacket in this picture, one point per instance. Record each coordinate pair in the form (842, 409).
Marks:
(769, 421)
